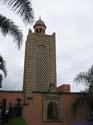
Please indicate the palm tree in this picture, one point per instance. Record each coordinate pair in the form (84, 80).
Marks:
(24, 9)
(2, 68)
(86, 78)
(86, 98)
(8, 27)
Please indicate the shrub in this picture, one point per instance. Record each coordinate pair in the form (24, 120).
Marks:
(17, 121)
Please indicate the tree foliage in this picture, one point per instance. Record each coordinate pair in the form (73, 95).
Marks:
(85, 77)
(8, 27)
(2, 68)
(85, 99)
(24, 9)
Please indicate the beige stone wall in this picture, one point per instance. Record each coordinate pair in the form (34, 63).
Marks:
(33, 40)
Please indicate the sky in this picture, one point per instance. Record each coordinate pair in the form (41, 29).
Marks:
(72, 21)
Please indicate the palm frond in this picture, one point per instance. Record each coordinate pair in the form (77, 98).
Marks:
(21, 7)
(8, 27)
(90, 71)
(90, 74)
(1, 78)
(82, 77)
(3, 66)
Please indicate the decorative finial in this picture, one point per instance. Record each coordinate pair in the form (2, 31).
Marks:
(39, 17)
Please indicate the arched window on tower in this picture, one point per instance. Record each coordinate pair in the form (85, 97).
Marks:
(37, 30)
(52, 111)
(40, 30)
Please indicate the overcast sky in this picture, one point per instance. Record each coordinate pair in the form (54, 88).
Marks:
(72, 21)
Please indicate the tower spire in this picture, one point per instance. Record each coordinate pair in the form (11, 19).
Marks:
(40, 17)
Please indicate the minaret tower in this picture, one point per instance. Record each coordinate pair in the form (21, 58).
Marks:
(40, 60)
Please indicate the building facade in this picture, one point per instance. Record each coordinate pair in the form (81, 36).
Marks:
(43, 102)
(50, 105)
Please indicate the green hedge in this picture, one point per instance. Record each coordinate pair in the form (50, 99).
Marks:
(17, 121)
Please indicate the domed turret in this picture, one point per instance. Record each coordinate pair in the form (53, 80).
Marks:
(40, 27)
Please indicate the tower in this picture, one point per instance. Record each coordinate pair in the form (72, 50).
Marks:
(40, 60)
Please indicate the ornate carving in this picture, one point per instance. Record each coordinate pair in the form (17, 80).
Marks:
(41, 68)
(53, 101)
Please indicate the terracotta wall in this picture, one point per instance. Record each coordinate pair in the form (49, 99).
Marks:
(80, 118)
(64, 88)
(11, 96)
(33, 111)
